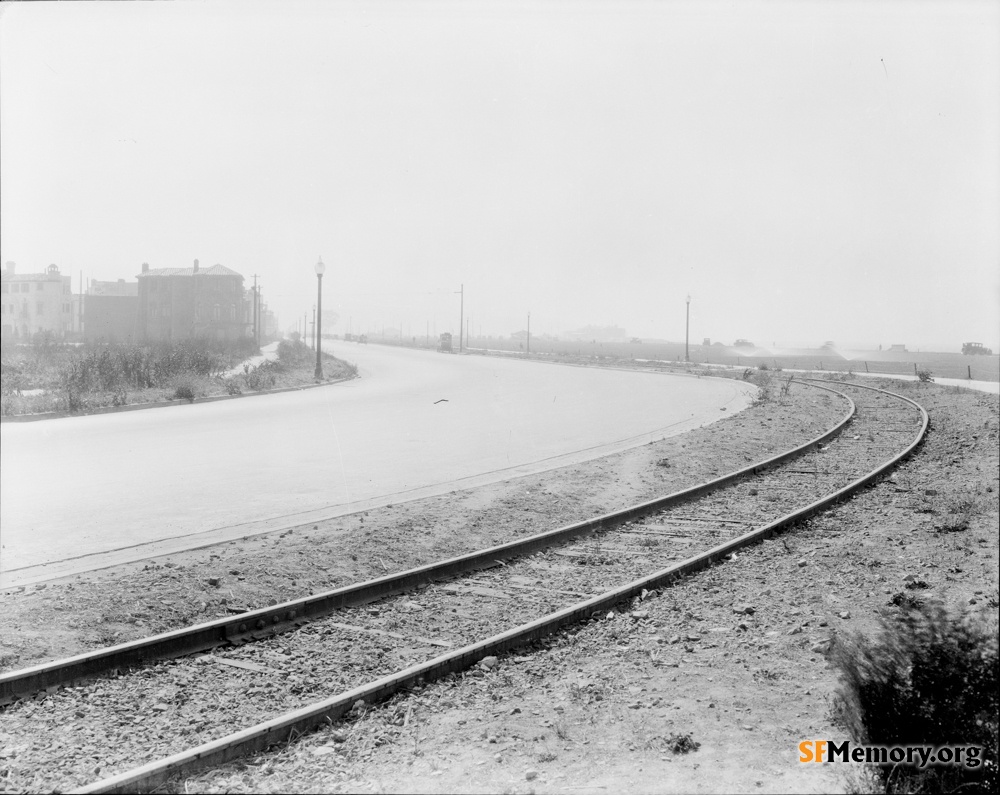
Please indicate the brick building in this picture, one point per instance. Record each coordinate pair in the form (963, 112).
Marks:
(176, 303)
(35, 302)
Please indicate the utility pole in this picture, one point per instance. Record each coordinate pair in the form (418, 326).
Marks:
(528, 340)
(461, 317)
(314, 328)
(468, 321)
(687, 327)
(255, 337)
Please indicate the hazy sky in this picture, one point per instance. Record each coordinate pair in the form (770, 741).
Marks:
(807, 171)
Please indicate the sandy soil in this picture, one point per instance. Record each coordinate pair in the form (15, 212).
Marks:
(690, 697)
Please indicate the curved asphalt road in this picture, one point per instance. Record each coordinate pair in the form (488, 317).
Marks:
(87, 492)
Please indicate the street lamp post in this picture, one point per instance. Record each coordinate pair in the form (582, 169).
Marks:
(320, 267)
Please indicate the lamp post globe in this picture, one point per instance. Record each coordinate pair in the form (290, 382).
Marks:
(320, 269)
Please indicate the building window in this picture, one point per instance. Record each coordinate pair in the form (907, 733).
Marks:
(39, 286)
(232, 313)
(215, 313)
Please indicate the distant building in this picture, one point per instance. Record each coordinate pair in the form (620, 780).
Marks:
(118, 288)
(111, 311)
(110, 318)
(897, 348)
(35, 302)
(177, 303)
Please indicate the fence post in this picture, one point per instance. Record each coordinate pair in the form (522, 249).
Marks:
(970, 371)
(866, 367)
(914, 368)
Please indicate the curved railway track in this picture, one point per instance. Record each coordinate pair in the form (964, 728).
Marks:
(368, 641)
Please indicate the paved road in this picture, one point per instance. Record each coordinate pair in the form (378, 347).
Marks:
(87, 492)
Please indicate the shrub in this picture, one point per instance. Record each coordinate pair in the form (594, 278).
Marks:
(261, 376)
(763, 381)
(184, 392)
(925, 376)
(291, 352)
(929, 679)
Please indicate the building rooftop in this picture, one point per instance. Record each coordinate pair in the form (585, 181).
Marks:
(8, 275)
(214, 270)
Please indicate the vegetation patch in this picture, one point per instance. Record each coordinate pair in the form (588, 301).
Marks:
(46, 376)
(929, 679)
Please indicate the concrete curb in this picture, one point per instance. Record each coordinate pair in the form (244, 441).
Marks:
(58, 415)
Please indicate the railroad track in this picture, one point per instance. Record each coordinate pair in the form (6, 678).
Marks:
(366, 642)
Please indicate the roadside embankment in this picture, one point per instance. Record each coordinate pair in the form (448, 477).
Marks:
(52, 381)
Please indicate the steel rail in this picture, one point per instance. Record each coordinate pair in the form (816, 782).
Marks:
(265, 622)
(299, 721)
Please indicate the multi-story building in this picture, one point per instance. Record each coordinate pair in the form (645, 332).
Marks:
(175, 303)
(111, 311)
(119, 288)
(35, 302)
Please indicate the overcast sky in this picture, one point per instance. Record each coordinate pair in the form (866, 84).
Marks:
(806, 171)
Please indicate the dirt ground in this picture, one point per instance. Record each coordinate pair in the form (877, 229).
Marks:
(691, 696)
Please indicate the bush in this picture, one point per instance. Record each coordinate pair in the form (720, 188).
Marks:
(928, 680)
(763, 380)
(184, 392)
(261, 376)
(925, 376)
(292, 352)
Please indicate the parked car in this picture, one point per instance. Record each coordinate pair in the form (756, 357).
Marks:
(976, 349)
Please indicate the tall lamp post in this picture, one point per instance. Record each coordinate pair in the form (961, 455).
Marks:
(687, 327)
(320, 267)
